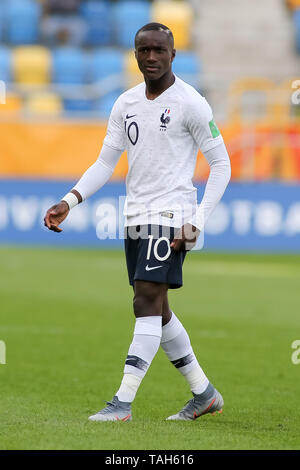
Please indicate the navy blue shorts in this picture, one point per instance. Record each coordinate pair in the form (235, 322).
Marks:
(149, 256)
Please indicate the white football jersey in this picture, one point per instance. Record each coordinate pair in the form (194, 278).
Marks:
(162, 138)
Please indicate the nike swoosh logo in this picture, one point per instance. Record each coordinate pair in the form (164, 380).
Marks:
(128, 117)
(154, 267)
(205, 411)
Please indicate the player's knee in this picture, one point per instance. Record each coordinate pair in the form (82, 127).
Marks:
(147, 301)
(144, 306)
(166, 311)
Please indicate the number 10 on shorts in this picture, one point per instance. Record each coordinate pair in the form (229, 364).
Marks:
(155, 248)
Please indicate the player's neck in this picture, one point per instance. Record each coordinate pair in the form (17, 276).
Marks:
(154, 88)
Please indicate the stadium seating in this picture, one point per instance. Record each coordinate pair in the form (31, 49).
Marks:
(105, 62)
(31, 65)
(132, 72)
(44, 103)
(97, 15)
(128, 17)
(69, 66)
(78, 106)
(22, 18)
(104, 105)
(63, 30)
(5, 64)
(177, 15)
(108, 31)
(2, 21)
(187, 66)
(297, 24)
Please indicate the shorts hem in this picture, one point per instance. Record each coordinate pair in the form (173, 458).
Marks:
(171, 285)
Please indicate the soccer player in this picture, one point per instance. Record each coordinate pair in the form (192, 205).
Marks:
(161, 123)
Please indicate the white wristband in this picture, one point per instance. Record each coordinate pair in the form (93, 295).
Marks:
(71, 200)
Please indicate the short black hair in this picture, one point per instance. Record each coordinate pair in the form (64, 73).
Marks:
(155, 27)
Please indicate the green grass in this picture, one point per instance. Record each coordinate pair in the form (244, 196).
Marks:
(66, 318)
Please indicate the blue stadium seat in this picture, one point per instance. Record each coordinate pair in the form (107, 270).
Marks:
(69, 66)
(104, 105)
(129, 16)
(97, 15)
(297, 24)
(187, 66)
(105, 62)
(22, 17)
(5, 64)
(78, 105)
(2, 21)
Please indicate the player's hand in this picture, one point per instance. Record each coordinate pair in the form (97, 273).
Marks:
(55, 215)
(185, 238)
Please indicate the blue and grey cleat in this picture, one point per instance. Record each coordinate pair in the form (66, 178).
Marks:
(198, 406)
(114, 411)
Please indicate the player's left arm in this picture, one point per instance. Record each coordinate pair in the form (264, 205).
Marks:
(210, 141)
(219, 177)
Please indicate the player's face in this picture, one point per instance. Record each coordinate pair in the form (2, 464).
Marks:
(154, 53)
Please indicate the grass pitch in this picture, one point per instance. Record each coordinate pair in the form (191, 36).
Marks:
(67, 322)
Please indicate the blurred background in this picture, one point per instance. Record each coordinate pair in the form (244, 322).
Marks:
(63, 63)
(66, 311)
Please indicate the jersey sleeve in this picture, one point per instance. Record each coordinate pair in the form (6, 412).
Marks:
(200, 123)
(99, 173)
(219, 177)
(115, 134)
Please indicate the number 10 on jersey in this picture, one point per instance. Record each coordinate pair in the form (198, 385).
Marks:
(132, 131)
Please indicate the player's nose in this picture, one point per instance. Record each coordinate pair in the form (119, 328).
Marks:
(151, 59)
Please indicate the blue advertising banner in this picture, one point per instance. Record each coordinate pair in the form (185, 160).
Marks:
(250, 217)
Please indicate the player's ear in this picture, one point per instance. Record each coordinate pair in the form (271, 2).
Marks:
(173, 54)
(135, 53)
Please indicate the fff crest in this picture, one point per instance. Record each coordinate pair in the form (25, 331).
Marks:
(165, 119)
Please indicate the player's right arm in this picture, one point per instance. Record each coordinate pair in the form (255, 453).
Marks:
(91, 181)
(95, 176)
